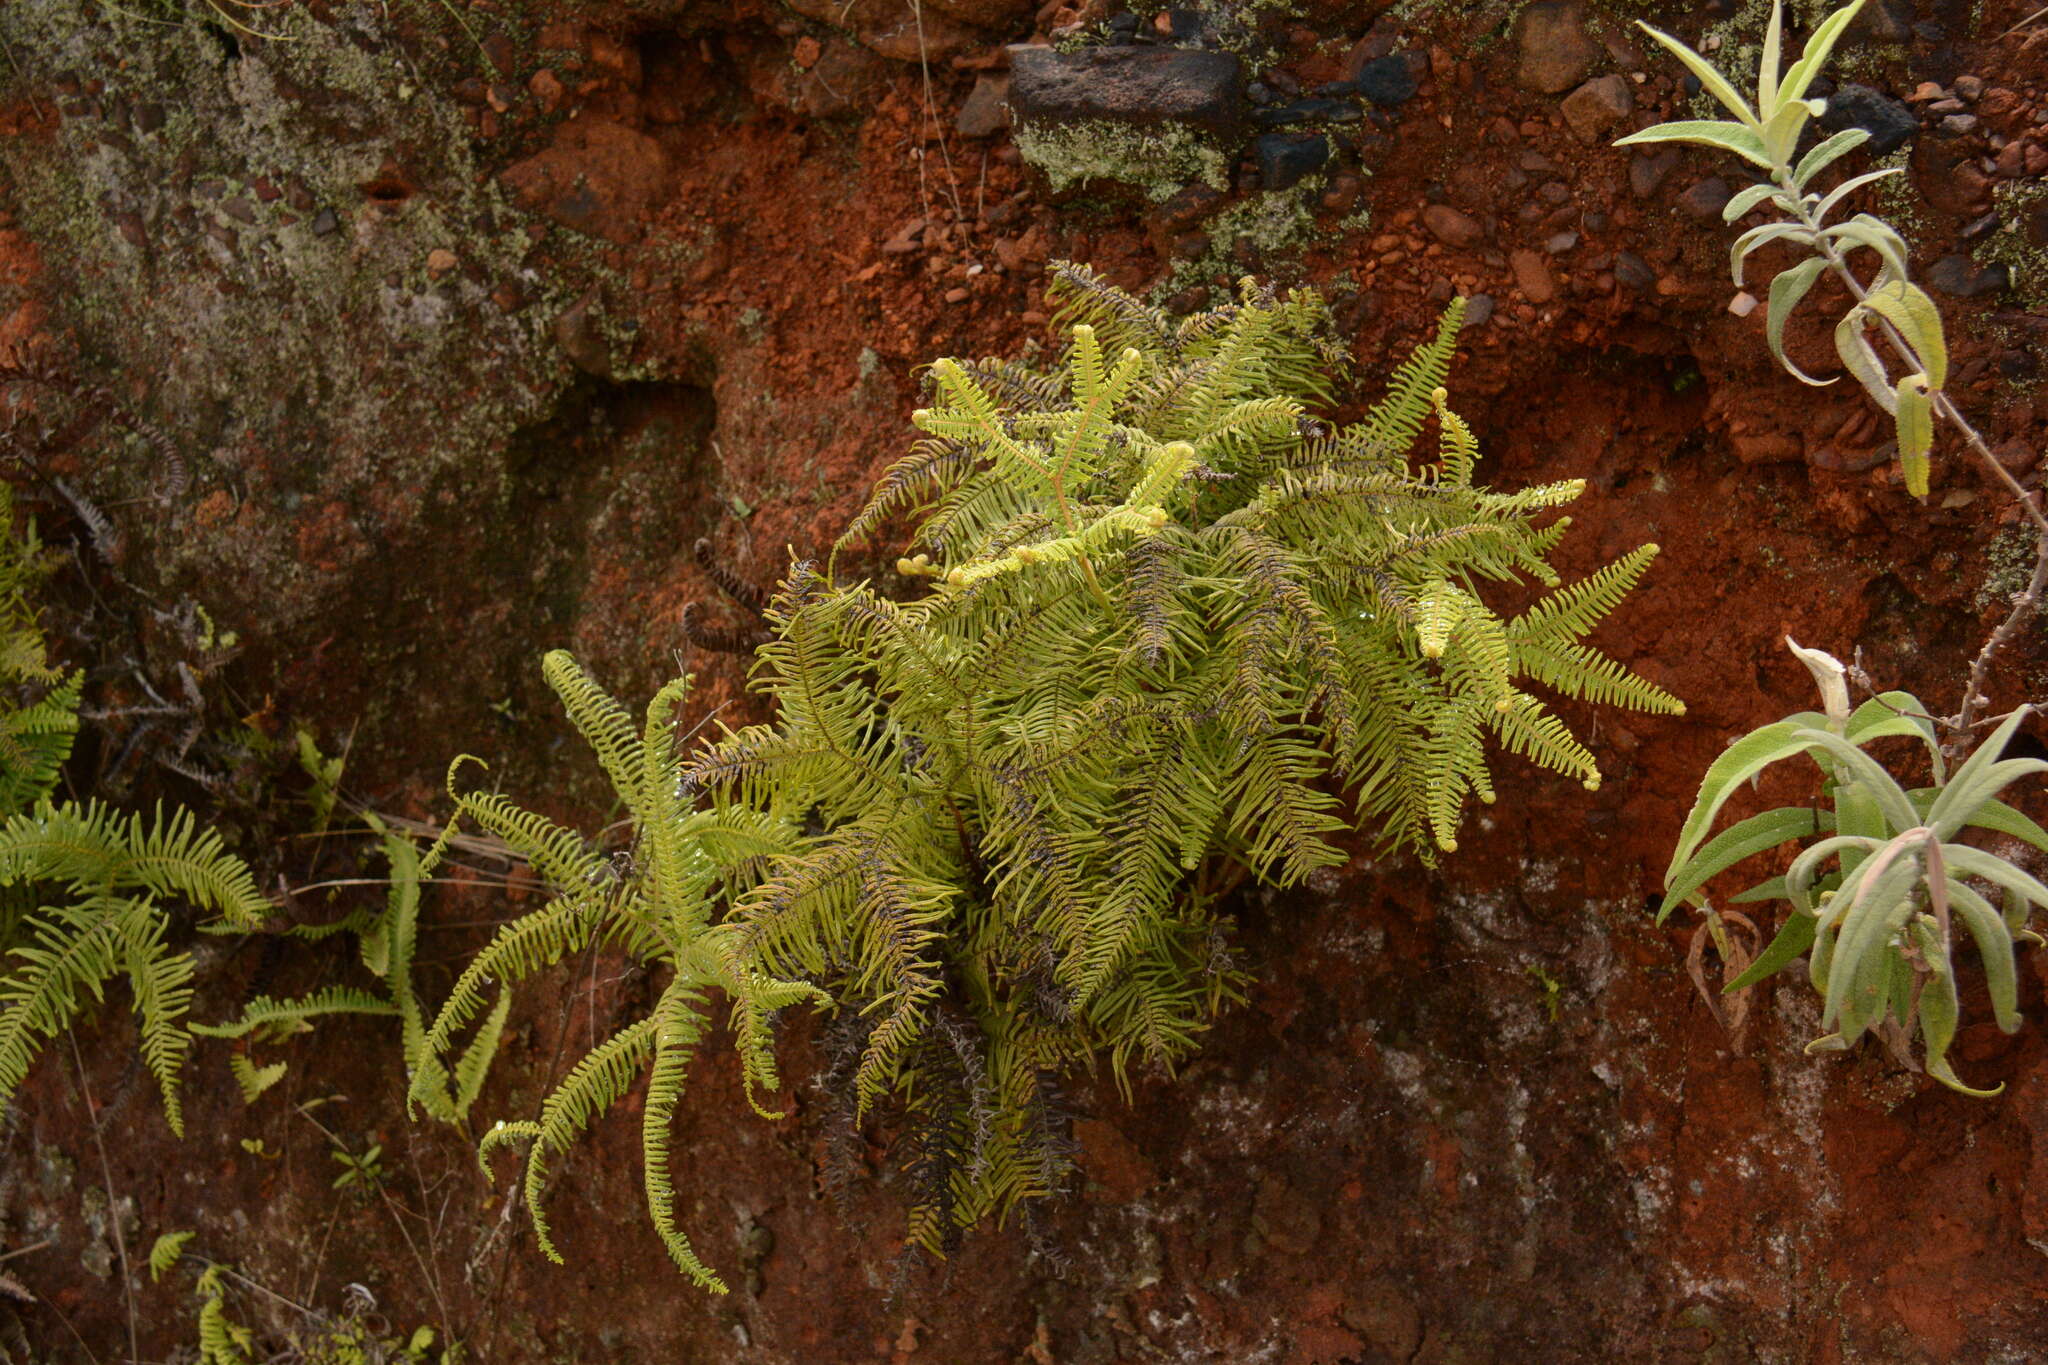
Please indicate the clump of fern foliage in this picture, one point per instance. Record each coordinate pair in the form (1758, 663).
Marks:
(385, 944)
(1164, 630)
(86, 890)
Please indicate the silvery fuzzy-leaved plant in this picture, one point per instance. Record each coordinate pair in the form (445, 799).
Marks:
(1767, 136)
(1877, 898)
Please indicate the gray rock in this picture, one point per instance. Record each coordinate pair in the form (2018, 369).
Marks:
(986, 110)
(1478, 311)
(1322, 110)
(1386, 81)
(1885, 21)
(1597, 106)
(1888, 121)
(1561, 242)
(1556, 51)
(1959, 277)
(1136, 85)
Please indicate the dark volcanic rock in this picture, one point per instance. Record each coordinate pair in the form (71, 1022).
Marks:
(1127, 85)
(1386, 80)
(1309, 111)
(1286, 158)
(1648, 170)
(1888, 121)
(1959, 277)
(1633, 272)
(1707, 198)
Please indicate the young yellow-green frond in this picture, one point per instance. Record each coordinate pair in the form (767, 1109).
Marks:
(166, 1251)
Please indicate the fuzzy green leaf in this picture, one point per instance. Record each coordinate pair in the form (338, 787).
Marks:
(1723, 136)
(1741, 840)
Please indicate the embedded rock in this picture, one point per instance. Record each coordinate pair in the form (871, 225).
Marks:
(1882, 21)
(1888, 121)
(1318, 110)
(1959, 277)
(599, 177)
(1556, 51)
(1131, 85)
(1706, 198)
(1633, 273)
(986, 110)
(1647, 171)
(1597, 106)
(1451, 227)
(892, 29)
(991, 14)
(1532, 277)
(1386, 81)
(1285, 159)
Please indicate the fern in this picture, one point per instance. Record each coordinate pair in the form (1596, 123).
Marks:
(386, 942)
(35, 735)
(85, 890)
(166, 1251)
(1176, 633)
(356, 1334)
(658, 906)
(116, 870)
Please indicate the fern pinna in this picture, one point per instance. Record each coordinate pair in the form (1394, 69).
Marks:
(1165, 630)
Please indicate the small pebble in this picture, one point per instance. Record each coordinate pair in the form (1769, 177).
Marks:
(1633, 272)
(1743, 304)
(1451, 227)
(1707, 198)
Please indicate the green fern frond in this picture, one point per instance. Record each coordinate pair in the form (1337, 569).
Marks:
(165, 1252)
(36, 739)
(278, 1018)
(116, 868)
(593, 1085)
(252, 1080)
(1396, 420)
(678, 1027)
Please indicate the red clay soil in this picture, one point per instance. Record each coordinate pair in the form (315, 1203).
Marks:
(1469, 1114)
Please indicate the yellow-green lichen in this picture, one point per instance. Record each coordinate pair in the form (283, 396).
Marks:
(1154, 160)
(1279, 226)
(2020, 203)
